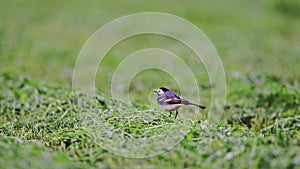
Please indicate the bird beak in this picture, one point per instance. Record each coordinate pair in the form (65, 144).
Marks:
(154, 91)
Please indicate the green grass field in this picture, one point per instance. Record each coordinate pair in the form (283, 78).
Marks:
(44, 124)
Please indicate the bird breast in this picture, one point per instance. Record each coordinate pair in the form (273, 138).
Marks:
(170, 107)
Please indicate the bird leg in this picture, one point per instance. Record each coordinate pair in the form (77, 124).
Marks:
(176, 114)
(170, 114)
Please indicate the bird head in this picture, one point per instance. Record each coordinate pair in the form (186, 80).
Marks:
(161, 91)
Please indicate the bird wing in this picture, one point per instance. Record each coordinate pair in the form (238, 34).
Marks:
(171, 95)
(172, 98)
(174, 101)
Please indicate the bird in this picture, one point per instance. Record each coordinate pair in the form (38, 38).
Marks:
(171, 101)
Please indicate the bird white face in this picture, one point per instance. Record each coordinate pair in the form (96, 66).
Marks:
(160, 92)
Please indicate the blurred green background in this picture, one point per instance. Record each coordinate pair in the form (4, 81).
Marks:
(42, 39)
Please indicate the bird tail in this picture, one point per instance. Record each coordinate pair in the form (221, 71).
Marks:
(197, 105)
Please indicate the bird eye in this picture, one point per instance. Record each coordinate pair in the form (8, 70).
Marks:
(159, 91)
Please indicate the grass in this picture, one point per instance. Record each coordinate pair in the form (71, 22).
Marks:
(260, 130)
(44, 124)
(17, 154)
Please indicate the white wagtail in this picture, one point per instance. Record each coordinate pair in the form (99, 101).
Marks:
(171, 101)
